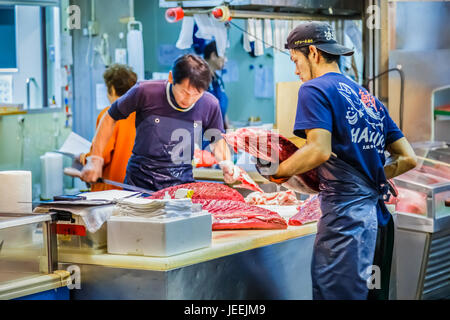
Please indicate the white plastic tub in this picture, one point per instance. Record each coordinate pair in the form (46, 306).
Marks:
(159, 236)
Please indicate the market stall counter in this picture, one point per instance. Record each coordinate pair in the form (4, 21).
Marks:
(239, 264)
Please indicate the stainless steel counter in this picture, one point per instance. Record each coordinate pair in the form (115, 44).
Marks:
(269, 264)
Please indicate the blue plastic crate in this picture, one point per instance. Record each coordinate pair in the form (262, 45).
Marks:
(54, 294)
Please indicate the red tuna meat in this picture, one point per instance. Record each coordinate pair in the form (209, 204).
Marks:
(418, 176)
(437, 170)
(309, 211)
(202, 190)
(232, 215)
(270, 146)
(410, 201)
(246, 181)
(282, 198)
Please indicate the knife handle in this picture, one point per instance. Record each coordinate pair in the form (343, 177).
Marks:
(68, 198)
(72, 172)
(77, 174)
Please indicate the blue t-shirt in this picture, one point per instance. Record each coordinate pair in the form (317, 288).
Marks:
(360, 124)
(154, 98)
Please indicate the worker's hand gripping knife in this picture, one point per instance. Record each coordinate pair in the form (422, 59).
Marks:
(93, 169)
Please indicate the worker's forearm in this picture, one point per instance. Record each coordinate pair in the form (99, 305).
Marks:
(398, 166)
(221, 151)
(102, 135)
(305, 159)
(402, 158)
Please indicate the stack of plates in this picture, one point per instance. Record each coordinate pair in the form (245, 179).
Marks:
(148, 208)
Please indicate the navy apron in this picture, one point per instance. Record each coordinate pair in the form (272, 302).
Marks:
(346, 233)
(151, 165)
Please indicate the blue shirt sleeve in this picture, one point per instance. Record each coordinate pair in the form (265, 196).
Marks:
(393, 133)
(313, 111)
(126, 104)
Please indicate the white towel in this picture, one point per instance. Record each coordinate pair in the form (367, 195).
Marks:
(259, 46)
(277, 34)
(205, 27)
(221, 37)
(249, 36)
(209, 29)
(246, 41)
(251, 29)
(285, 30)
(268, 38)
(185, 38)
(135, 47)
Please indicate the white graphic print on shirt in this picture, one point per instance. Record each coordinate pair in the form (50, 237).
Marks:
(365, 119)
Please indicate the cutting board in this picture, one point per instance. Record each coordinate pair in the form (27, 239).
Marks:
(286, 106)
(217, 175)
(286, 110)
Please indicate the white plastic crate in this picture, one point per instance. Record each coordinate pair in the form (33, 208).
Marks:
(159, 236)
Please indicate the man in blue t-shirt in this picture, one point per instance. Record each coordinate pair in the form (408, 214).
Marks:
(347, 132)
(171, 116)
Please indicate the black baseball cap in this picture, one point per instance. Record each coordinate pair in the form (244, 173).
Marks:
(319, 34)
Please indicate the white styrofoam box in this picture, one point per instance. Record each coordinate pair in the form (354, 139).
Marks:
(159, 236)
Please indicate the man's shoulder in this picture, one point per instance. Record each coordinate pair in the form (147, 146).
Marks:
(152, 85)
(328, 83)
(209, 100)
(327, 79)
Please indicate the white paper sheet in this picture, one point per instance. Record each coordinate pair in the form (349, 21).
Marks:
(75, 144)
(66, 50)
(109, 194)
(101, 98)
(6, 88)
(264, 86)
(232, 71)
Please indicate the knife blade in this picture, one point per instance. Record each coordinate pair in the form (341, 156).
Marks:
(70, 155)
(124, 186)
(77, 173)
(392, 188)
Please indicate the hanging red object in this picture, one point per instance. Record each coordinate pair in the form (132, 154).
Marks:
(217, 13)
(174, 14)
(221, 13)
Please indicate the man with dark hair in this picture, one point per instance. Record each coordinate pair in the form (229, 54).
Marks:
(170, 117)
(217, 87)
(347, 132)
(118, 79)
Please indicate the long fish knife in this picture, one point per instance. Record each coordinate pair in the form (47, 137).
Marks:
(70, 155)
(77, 173)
